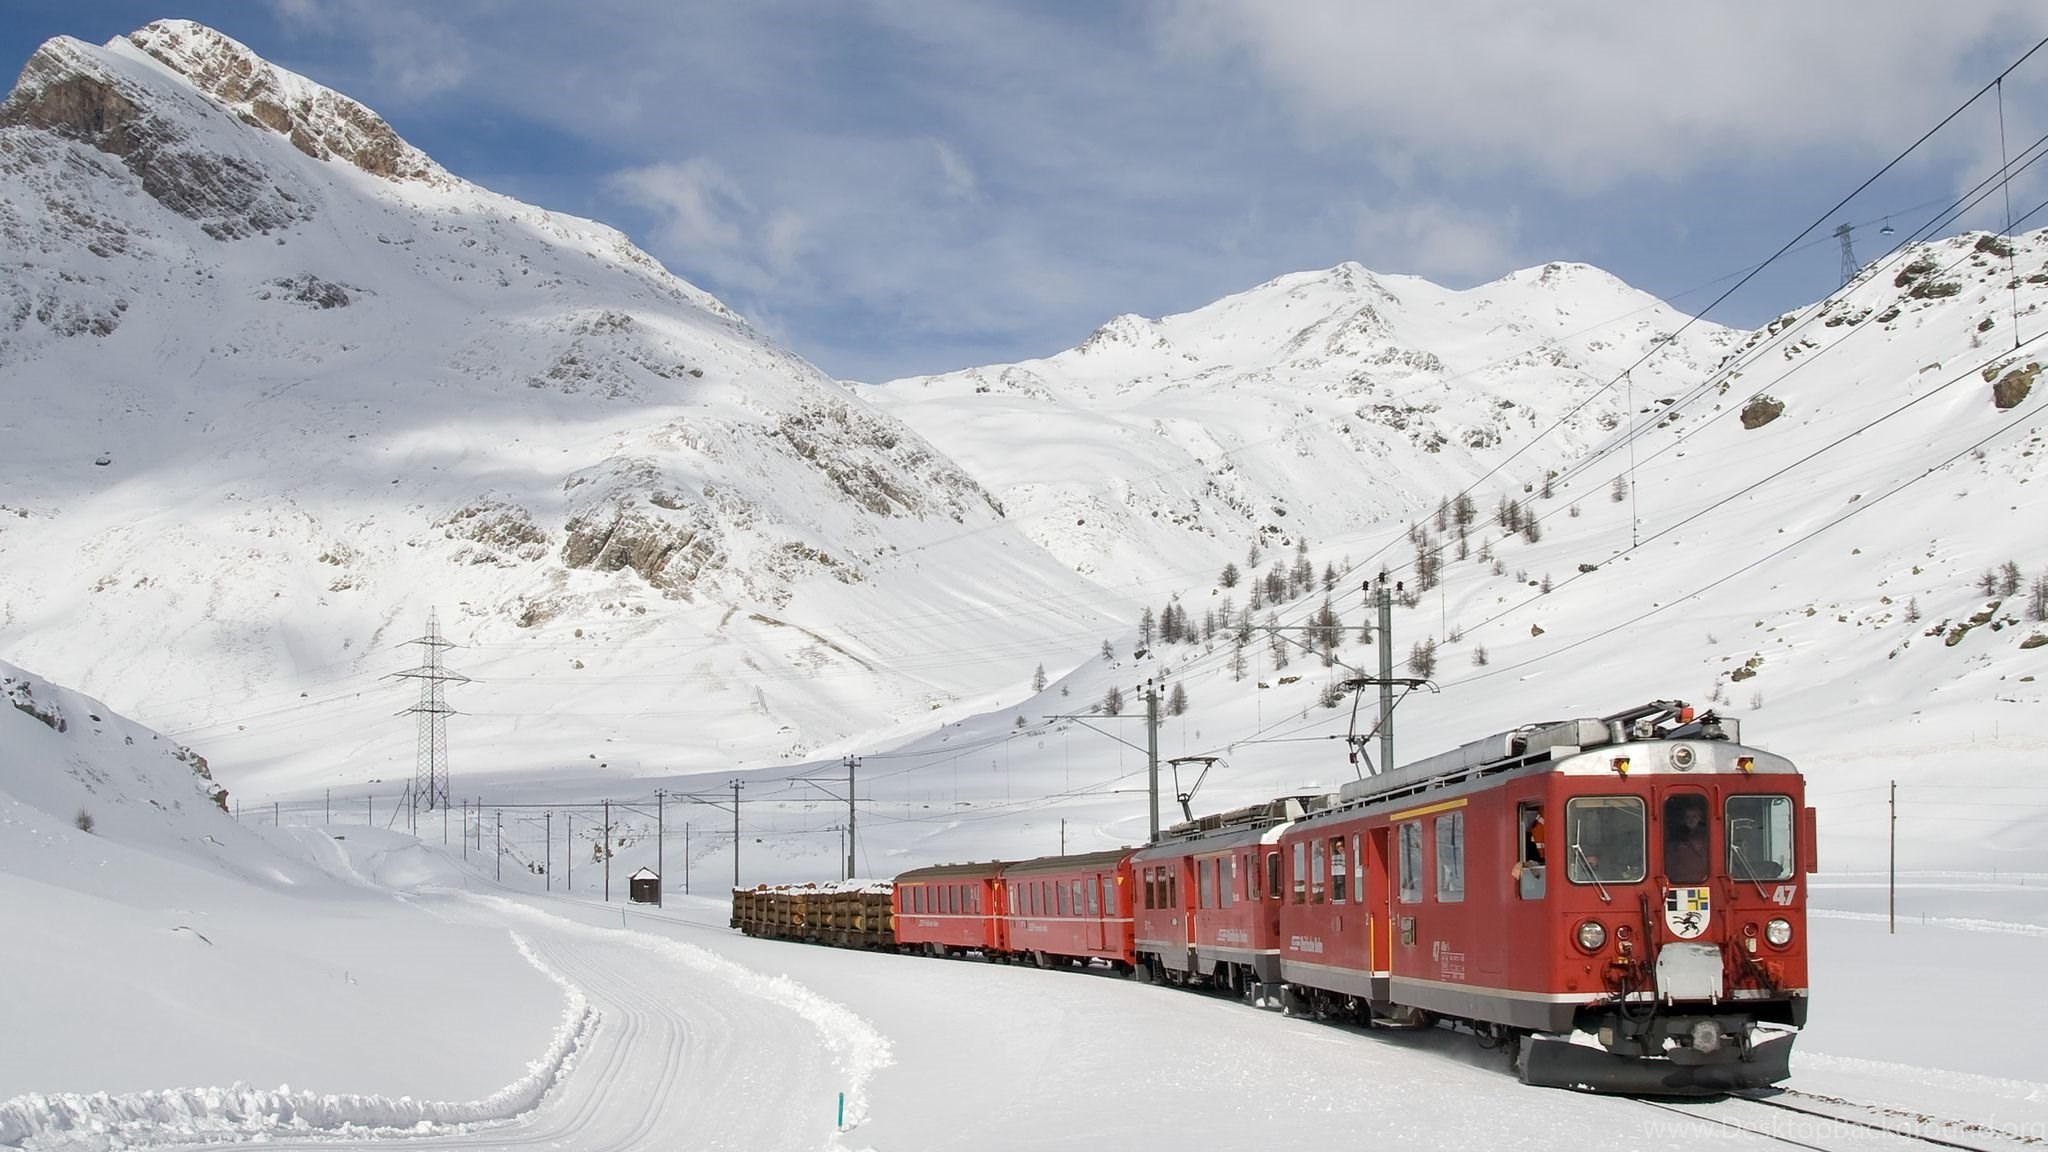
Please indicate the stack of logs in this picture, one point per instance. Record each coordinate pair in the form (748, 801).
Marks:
(847, 914)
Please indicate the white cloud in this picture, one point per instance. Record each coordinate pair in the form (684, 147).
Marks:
(1435, 239)
(704, 217)
(1586, 94)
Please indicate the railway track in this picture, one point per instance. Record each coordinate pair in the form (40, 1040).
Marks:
(1761, 1113)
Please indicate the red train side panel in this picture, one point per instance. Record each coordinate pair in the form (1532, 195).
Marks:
(950, 909)
(1069, 908)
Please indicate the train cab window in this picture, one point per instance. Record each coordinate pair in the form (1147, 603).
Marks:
(1410, 860)
(1450, 857)
(1528, 872)
(1760, 837)
(1205, 875)
(1339, 871)
(1226, 881)
(1687, 858)
(1603, 839)
(1273, 874)
(1316, 875)
(1300, 873)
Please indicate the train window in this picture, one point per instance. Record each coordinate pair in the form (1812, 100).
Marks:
(1450, 857)
(1045, 904)
(1173, 888)
(1686, 856)
(1338, 870)
(1094, 909)
(1059, 897)
(1226, 880)
(1273, 874)
(1760, 837)
(1151, 897)
(1205, 876)
(1357, 871)
(1316, 876)
(1300, 873)
(1411, 863)
(1079, 900)
(1109, 896)
(1603, 839)
(1528, 870)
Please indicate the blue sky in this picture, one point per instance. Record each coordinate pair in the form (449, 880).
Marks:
(895, 187)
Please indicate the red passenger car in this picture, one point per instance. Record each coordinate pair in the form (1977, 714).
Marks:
(949, 910)
(1208, 901)
(1622, 898)
(1069, 909)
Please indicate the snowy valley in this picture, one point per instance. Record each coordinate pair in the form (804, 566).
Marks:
(275, 386)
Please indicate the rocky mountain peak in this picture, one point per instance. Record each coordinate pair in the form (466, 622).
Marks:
(318, 121)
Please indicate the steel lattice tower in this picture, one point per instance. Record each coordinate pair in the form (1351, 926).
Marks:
(1849, 264)
(430, 757)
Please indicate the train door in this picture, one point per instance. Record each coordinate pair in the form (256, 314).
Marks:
(1380, 903)
(1093, 924)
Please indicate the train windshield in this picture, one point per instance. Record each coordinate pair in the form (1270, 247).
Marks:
(1604, 839)
(1760, 837)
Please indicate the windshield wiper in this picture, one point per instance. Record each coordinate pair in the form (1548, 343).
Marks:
(1747, 872)
(1604, 897)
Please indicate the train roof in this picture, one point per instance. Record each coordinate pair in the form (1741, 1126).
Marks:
(1531, 746)
(974, 870)
(1077, 863)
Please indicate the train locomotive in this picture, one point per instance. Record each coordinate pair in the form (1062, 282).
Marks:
(1617, 904)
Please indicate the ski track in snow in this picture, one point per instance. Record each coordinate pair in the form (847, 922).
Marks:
(654, 1051)
(1961, 923)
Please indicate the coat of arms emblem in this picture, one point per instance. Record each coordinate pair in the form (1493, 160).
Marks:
(1687, 911)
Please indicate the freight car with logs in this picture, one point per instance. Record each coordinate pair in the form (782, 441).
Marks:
(1619, 904)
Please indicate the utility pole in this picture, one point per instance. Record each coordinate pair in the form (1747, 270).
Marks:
(369, 809)
(607, 849)
(659, 813)
(1892, 881)
(1063, 835)
(569, 850)
(852, 762)
(430, 755)
(547, 858)
(1152, 754)
(501, 842)
(1383, 600)
(465, 828)
(686, 859)
(736, 835)
(328, 816)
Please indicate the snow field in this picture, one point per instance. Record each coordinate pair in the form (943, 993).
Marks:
(47, 1122)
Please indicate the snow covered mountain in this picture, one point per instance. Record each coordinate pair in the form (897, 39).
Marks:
(277, 384)
(1313, 404)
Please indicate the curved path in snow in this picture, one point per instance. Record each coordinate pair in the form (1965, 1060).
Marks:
(689, 1051)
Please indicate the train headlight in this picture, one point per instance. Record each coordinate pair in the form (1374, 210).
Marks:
(1778, 932)
(1592, 935)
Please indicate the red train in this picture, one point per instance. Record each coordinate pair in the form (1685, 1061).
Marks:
(1617, 903)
